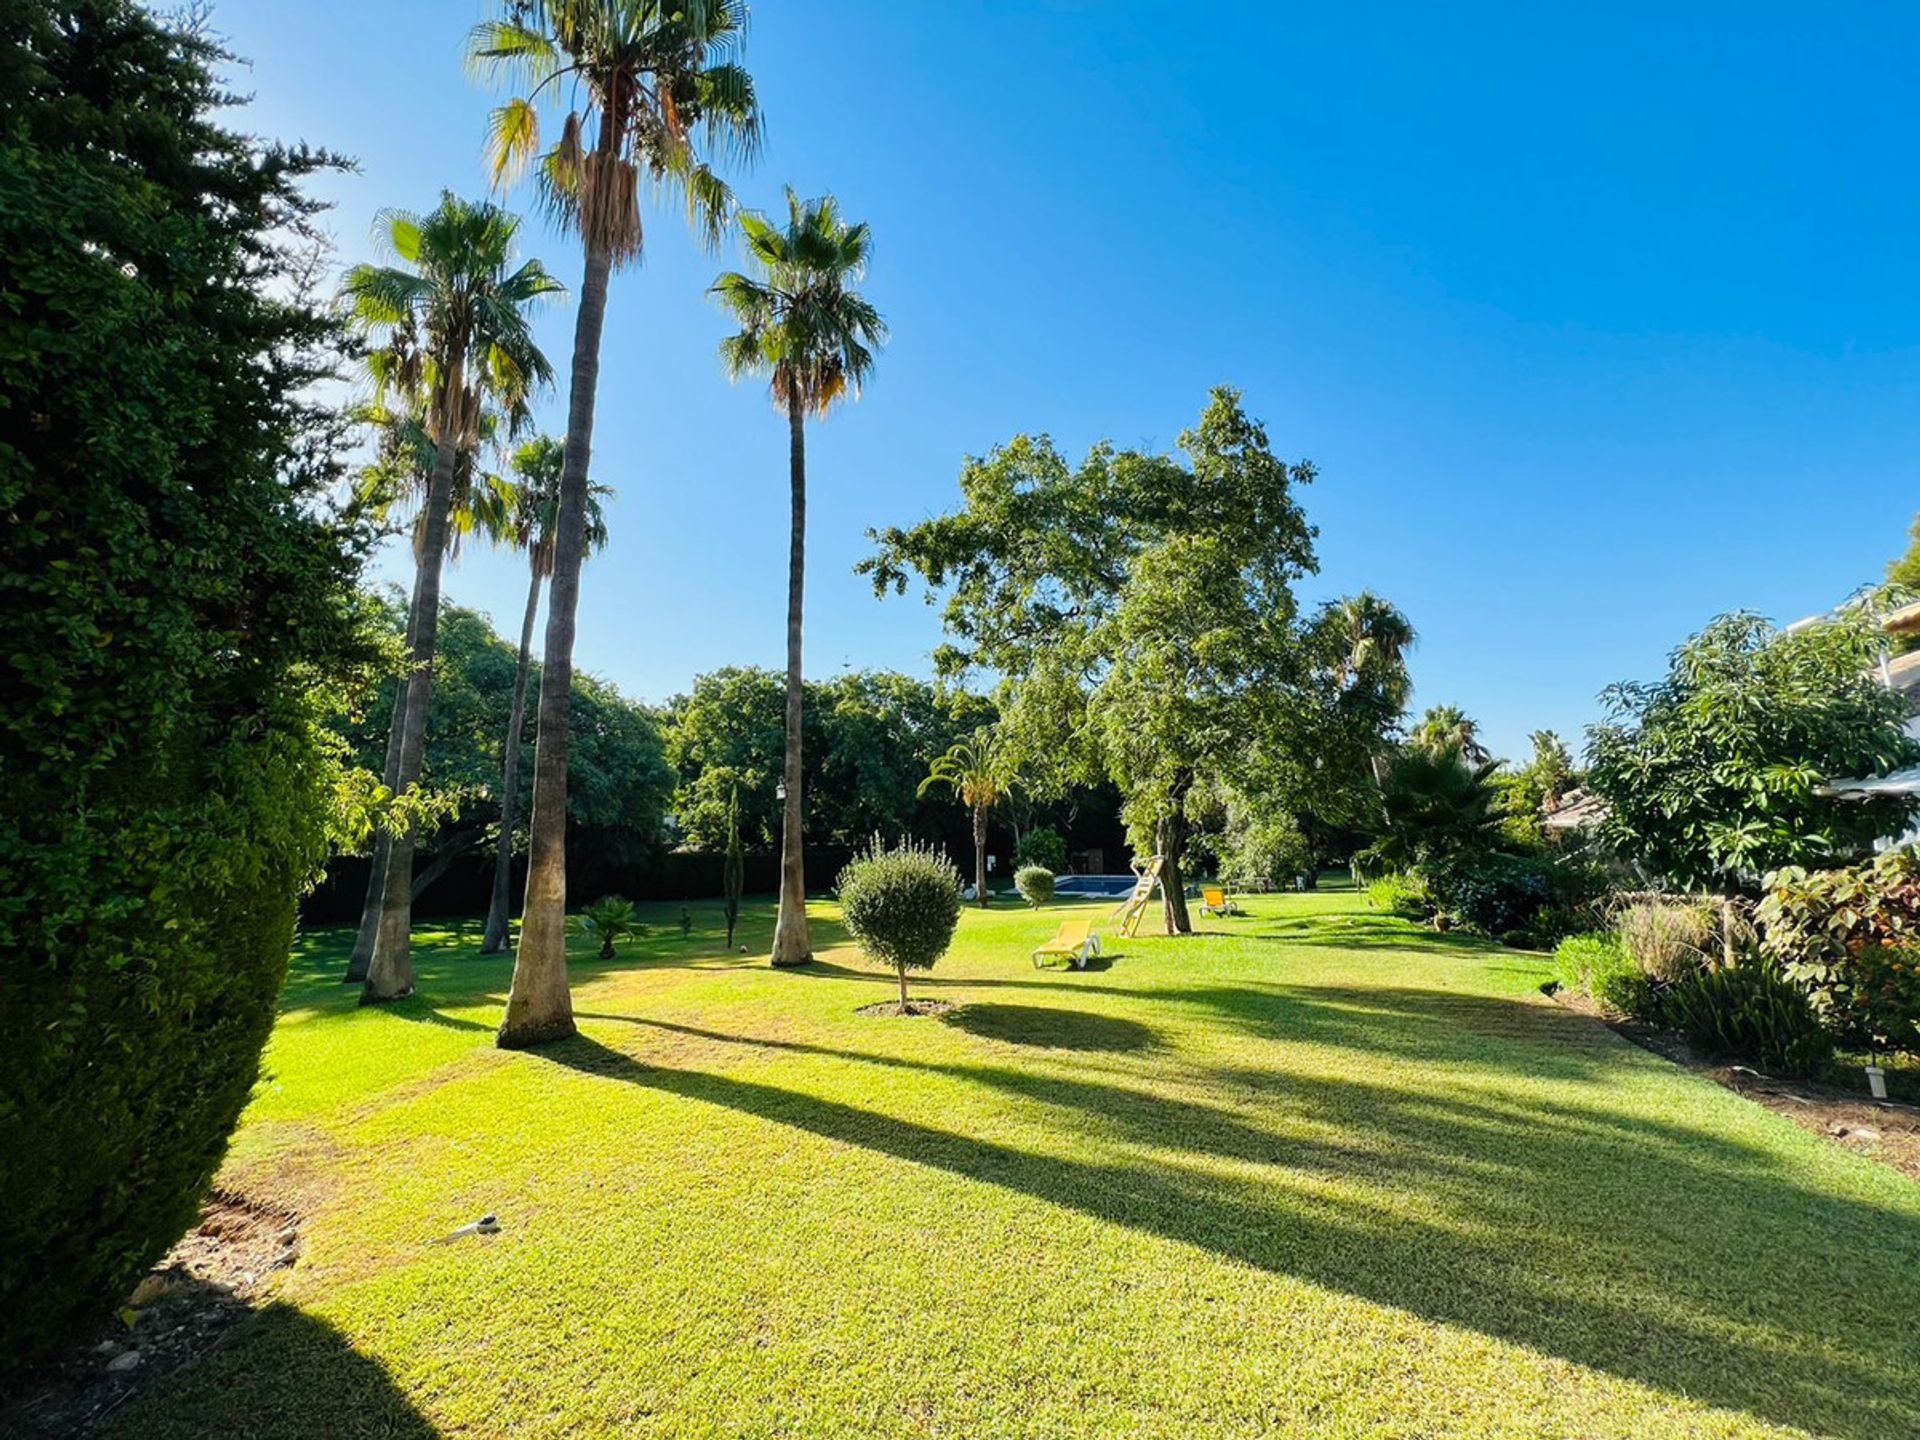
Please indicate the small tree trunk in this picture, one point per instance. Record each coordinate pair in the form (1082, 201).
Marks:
(500, 903)
(980, 854)
(792, 944)
(390, 974)
(1172, 837)
(539, 1004)
(901, 971)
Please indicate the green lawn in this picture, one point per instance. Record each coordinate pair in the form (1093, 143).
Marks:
(1315, 1172)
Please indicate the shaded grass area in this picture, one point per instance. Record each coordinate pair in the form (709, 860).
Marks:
(1313, 1172)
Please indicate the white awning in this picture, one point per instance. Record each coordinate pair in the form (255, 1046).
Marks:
(1900, 782)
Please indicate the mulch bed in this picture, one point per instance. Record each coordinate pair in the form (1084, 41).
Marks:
(186, 1308)
(1884, 1130)
(912, 1007)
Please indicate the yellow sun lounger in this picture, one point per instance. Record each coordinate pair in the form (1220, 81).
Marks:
(1214, 901)
(1075, 945)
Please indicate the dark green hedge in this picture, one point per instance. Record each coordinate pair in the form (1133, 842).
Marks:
(175, 605)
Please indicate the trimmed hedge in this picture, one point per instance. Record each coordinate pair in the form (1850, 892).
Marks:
(176, 609)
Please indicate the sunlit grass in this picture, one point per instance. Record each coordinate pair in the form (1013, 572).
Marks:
(1314, 1172)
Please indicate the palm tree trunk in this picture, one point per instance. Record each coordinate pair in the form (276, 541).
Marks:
(390, 973)
(494, 940)
(791, 943)
(539, 1005)
(362, 956)
(980, 855)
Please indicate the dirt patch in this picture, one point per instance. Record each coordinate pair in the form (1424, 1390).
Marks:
(187, 1307)
(912, 1007)
(1884, 1130)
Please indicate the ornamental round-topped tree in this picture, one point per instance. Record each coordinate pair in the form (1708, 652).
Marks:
(901, 905)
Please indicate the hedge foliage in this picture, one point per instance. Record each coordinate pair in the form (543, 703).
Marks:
(174, 608)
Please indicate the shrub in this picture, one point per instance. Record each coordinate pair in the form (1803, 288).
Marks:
(1749, 1011)
(1035, 884)
(1851, 937)
(1042, 847)
(1580, 960)
(1490, 893)
(1401, 893)
(901, 905)
(178, 608)
(1630, 992)
(1262, 850)
(1669, 939)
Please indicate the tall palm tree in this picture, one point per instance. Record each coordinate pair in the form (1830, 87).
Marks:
(805, 328)
(454, 317)
(650, 85)
(1377, 637)
(1448, 726)
(979, 770)
(533, 501)
(403, 470)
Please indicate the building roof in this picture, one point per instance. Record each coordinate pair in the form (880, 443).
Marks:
(1577, 810)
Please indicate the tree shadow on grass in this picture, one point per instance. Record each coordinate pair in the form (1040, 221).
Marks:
(287, 1375)
(1349, 931)
(1051, 1027)
(1657, 1251)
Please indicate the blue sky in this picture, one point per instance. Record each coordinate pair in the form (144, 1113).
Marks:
(1595, 324)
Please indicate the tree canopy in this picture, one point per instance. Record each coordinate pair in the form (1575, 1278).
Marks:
(1139, 609)
(1713, 775)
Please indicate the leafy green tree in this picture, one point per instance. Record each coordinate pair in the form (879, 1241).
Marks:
(804, 326)
(619, 781)
(452, 318)
(1306, 792)
(531, 503)
(1141, 608)
(649, 86)
(176, 592)
(878, 733)
(870, 737)
(979, 771)
(1714, 776)
(726, 738)
(1905, 571)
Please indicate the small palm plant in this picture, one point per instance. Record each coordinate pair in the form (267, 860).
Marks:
(608, 920)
